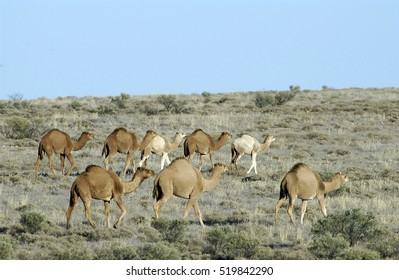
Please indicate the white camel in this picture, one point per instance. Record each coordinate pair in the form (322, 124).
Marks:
(159, 145)
(246, 144)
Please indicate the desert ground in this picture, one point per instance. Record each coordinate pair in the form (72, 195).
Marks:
(353, 131)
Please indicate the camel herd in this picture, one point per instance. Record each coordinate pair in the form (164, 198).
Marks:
(179, 178)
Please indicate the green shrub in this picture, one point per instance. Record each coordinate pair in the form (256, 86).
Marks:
(387, 244)
(33, 222)
(358, 253)
(264, 100)
(20, 127)
(159, 251)
(229, 243)
(171, 230)
(283, 97)
(76, 105)
(168, 101)
(328, 247)
(70, 252)
(7, 248)
(116, 251)
(121, 100)
(353, 225)
(268, 99)
(172, 105)
(352, 234)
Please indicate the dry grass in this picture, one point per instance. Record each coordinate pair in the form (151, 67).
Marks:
(350, 130)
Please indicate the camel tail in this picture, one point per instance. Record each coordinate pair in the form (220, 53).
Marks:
(73, 195)
(105, 151)
(40, 151)
(283, 189)
(186, 149)
(233, 154)
(157, 192)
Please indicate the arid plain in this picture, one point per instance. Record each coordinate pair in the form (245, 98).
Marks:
(353, 131)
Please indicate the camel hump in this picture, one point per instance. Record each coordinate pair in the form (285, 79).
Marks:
(298, 166)
(91, 166)
(116, 130)
(198, 130)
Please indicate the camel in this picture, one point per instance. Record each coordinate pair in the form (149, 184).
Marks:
(301, 182)
(122, 141)
(246, 144)
(183, 180)
(161, 146)
(59, 142)
(101, 184)
(202, 143)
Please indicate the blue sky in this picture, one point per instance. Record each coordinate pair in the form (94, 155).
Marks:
(102, 48)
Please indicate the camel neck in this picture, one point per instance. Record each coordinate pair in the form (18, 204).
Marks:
(211, 183)
(145, 142)
(77, 145)
(264, 146)
(176, 141)
(131, 186)
(332, 185)
(220, 142)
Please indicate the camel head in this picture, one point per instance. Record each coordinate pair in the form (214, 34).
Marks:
(225, 135)
(181, 135)
(222, 167)
(269, 139)
(340, 177)
(87, 135)
(144, 173)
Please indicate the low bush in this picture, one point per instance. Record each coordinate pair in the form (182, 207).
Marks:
(171, 230)
(159, 251)
(33, 222)
(7, 247)
(116, 251)
(229, 243)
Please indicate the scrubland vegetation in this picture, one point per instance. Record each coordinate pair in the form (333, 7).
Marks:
(354, 131)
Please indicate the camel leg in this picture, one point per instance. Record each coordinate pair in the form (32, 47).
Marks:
(129, 161)
(143, 160)
(201, 161)
(290, 208)
(50, 162)
(72, 161)
(253, 156)
(87, 212)
(37, 166)
(277, 208)
(303, 209)
(234, 161)
(107, 213)
(62, 159)
(157, 205)
(107, 160)
(322, 205)
(198, 212)
(212, 158)
(121, 206)
(189, 205)
(165, 157)
(72, 202)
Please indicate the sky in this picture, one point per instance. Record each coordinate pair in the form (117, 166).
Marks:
(106, 47)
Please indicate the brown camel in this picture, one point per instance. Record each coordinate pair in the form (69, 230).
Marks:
(202, 143)
(301, 182)
(181, 179)
(122, 141)
(98, 183)
(58, 142)
(246, 144)
(161, 146)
